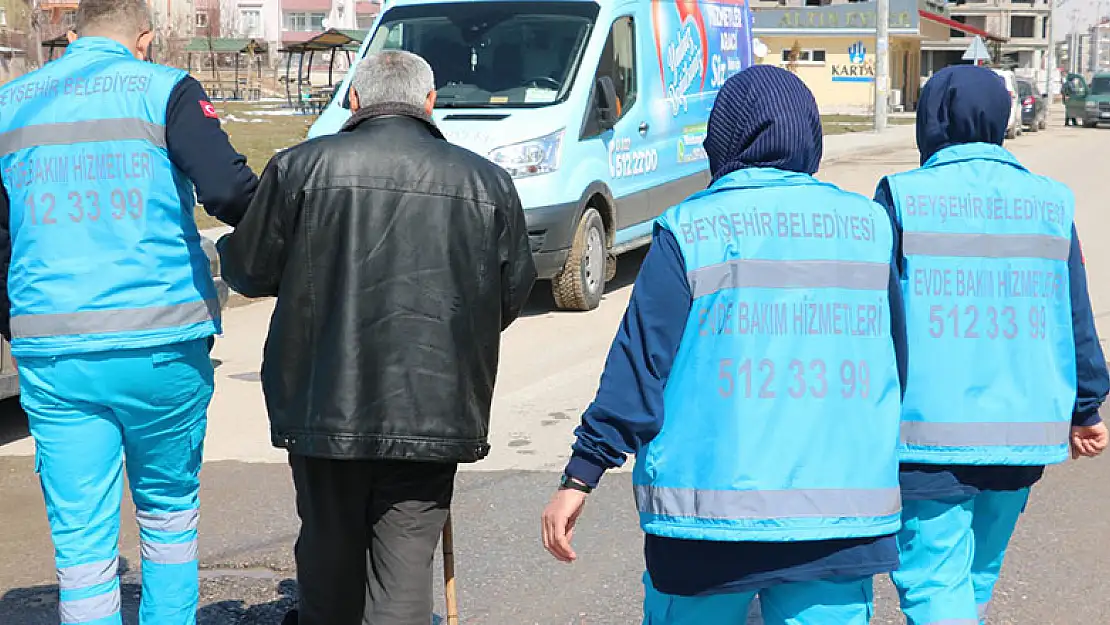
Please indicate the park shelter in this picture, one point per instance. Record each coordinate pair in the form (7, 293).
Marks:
(229, 69)
(330, 42)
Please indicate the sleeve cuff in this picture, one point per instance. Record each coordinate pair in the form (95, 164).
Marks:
(585, 469)
(1087, 418)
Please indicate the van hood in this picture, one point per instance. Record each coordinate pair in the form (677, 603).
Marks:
(482, 130)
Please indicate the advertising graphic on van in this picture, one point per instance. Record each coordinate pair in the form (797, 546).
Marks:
(700, 45)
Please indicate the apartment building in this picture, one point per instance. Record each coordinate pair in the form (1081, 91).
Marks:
(15, 23)
(1018, 29)
(1098, 48)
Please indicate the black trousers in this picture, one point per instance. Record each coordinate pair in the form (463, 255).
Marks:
(369, 531)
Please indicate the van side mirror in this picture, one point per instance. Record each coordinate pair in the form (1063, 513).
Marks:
(606, 103)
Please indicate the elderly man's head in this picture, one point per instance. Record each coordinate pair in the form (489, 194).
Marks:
(393, 77)
(127, 21)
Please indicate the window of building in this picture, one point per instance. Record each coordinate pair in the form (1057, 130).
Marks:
(364, 21)
(3, 16)
(304, 22)
(201, 19)
(250, 20)
(618, 61)
(812, 57)
(1022, 26)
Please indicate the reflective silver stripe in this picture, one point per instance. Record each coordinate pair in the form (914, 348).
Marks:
(768, 504)
(921, 434)
(90, 609)
(802, 274)
(984, 609)
(955, 621)
(168, 553)
(69, 133)
(180, 521)
(986, 245)
(104, 321)
(85, 575)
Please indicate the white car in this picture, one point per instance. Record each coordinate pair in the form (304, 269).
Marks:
(1013, 127)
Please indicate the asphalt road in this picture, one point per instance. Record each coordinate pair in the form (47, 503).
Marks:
(550, 364)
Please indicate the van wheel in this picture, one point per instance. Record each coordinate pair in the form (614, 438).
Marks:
(1090, 124)
(1011, 133)
(1043, 124)
(581, 283)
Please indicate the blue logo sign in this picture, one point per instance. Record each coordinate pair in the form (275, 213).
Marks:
(857, 53)
(858, 68)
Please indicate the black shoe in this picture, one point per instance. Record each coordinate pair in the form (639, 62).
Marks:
(291, 618)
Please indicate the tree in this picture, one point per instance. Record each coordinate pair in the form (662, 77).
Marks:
(795, 55)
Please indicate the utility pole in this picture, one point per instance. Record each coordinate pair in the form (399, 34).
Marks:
(882, 63)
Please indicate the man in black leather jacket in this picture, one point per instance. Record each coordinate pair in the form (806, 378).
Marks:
(397, 259)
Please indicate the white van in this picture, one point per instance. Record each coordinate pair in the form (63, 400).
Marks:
(597, 108)
(1013, 127)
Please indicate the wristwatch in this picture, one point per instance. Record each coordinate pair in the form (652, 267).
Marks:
(571, 483)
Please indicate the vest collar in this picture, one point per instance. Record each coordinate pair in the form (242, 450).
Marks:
(759, 177)
(98, 44)
(972, 151)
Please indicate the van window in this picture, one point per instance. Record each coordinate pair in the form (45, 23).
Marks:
(493, 54)
(1024, 89)
(1100, 85)
(618, 61)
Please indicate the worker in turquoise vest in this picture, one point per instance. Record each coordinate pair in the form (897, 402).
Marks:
(1005, 366)
(108, 301)
(756, 378)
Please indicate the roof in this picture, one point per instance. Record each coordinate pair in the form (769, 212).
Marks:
(330, 39)
(954, 25)
(221, 45)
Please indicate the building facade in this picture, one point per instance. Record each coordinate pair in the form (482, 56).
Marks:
(1018, 29)
(832, 47)
(1098, 48)
(15, 25)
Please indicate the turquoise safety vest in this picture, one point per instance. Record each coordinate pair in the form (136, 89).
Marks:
(988, 310)
(105, 250)
(781, 409)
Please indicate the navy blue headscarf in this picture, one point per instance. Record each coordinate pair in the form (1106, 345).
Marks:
(961, 104)
(764, 116)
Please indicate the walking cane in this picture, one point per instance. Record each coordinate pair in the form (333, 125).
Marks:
(449, 573)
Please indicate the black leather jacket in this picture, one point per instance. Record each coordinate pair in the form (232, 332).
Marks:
(397, 259)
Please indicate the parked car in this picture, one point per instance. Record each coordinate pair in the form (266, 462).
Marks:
(9, 377)
(600, 124)
(1034, 106)
(1013, 127)
(1085, 103)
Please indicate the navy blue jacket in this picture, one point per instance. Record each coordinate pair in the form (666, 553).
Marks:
(762, 118)
(198, 147)
(967, 104)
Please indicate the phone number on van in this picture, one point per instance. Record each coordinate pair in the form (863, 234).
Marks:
(624, 162)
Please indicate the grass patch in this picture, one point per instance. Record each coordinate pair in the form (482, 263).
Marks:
(257, 130)
(844, 124)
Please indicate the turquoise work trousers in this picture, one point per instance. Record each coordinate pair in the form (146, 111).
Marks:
(843, 601)
(951, 555)
(92, 415)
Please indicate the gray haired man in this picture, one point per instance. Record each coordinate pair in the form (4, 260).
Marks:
(397, 259)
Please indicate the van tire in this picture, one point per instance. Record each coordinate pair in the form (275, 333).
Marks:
(1089, 124)
(581, 283)
(1011, 133)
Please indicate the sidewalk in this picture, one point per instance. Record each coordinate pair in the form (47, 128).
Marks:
(840, 147)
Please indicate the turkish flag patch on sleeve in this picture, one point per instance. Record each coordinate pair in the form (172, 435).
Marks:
(209, 110)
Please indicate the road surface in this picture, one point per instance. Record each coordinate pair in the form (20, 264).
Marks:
(1055, 574)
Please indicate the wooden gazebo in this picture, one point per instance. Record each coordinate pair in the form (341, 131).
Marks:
(248, 56)
(330, 41)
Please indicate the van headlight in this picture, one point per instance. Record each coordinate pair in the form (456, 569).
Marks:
(1092, 105)
(532, 157)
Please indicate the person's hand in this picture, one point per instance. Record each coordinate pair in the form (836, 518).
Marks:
(558, 523)
(1089, 441)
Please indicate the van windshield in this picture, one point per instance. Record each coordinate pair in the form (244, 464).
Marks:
(493, 54)
(1100, 85)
